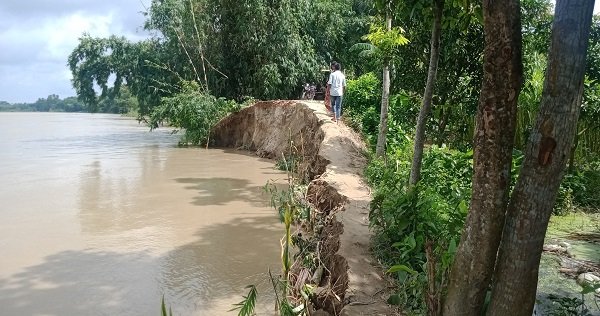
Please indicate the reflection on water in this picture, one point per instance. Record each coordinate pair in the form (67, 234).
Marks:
(98, 216)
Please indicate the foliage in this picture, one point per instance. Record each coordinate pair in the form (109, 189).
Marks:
(334, 26)
(404, 109)
(362, 93)
(385, 42)
(530, 98)
(163, 308)
(536, 17)
(583, 185)
(247, 305)
(123, 102)
(362, 104)
(568, 306)
(264, 51)
(588, 135)
(101, 66)
(459, 74)
(192, 110)
(409, 221)
(287, 163)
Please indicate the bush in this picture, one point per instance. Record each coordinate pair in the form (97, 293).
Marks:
(192, 110)
(361, 106)
(412, 224)
(363, 93)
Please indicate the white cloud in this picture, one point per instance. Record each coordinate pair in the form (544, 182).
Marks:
(64, 34)
(37, 36)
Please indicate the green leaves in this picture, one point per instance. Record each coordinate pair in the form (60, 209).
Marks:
(394, 300)
(248, 304)
(193, 110)
(386, 40)
(101, 66)
(405, 219)
(384, 43)
(401, 267)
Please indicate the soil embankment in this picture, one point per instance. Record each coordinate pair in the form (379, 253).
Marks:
(332, 160)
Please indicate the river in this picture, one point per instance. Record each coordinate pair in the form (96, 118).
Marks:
(99, 216)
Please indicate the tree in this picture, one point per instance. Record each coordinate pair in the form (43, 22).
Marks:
(101, 65)
(386, 41)
(459, 72)
(434, 53)
(548, 147)
(385, 93)
(532, 200)
(493, 141)
(334, 26)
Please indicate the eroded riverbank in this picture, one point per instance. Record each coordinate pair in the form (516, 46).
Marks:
(333, 160)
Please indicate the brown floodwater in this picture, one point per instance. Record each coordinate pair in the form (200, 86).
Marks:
(99, 216)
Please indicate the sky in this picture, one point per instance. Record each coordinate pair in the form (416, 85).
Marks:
(37, 36)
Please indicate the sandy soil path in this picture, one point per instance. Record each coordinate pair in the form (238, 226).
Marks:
(368, 289)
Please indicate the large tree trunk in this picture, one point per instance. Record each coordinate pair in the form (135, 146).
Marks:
(493, 141)
(515, 280)
(385, 97)
(434, 57)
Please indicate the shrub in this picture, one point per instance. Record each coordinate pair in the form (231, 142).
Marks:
(192, 110)
(417, 229)
(362, 100)
(363, 93)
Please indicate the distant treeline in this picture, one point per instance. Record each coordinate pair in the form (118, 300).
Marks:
(122, 103)
(52, 103)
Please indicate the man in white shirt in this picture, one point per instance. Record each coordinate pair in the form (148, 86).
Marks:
(336, 86)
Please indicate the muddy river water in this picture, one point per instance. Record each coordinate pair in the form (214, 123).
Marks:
(99, 216)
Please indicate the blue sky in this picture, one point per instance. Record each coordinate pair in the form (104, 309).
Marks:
(36, 37)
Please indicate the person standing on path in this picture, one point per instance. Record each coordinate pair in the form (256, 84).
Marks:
(336, 86)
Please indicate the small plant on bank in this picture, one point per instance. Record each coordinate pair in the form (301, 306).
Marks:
(292, 296)
(290, 209)
(247, 305)
(163, 308)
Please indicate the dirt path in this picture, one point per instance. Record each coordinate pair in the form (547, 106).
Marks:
(367, 290)
(333, 157)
